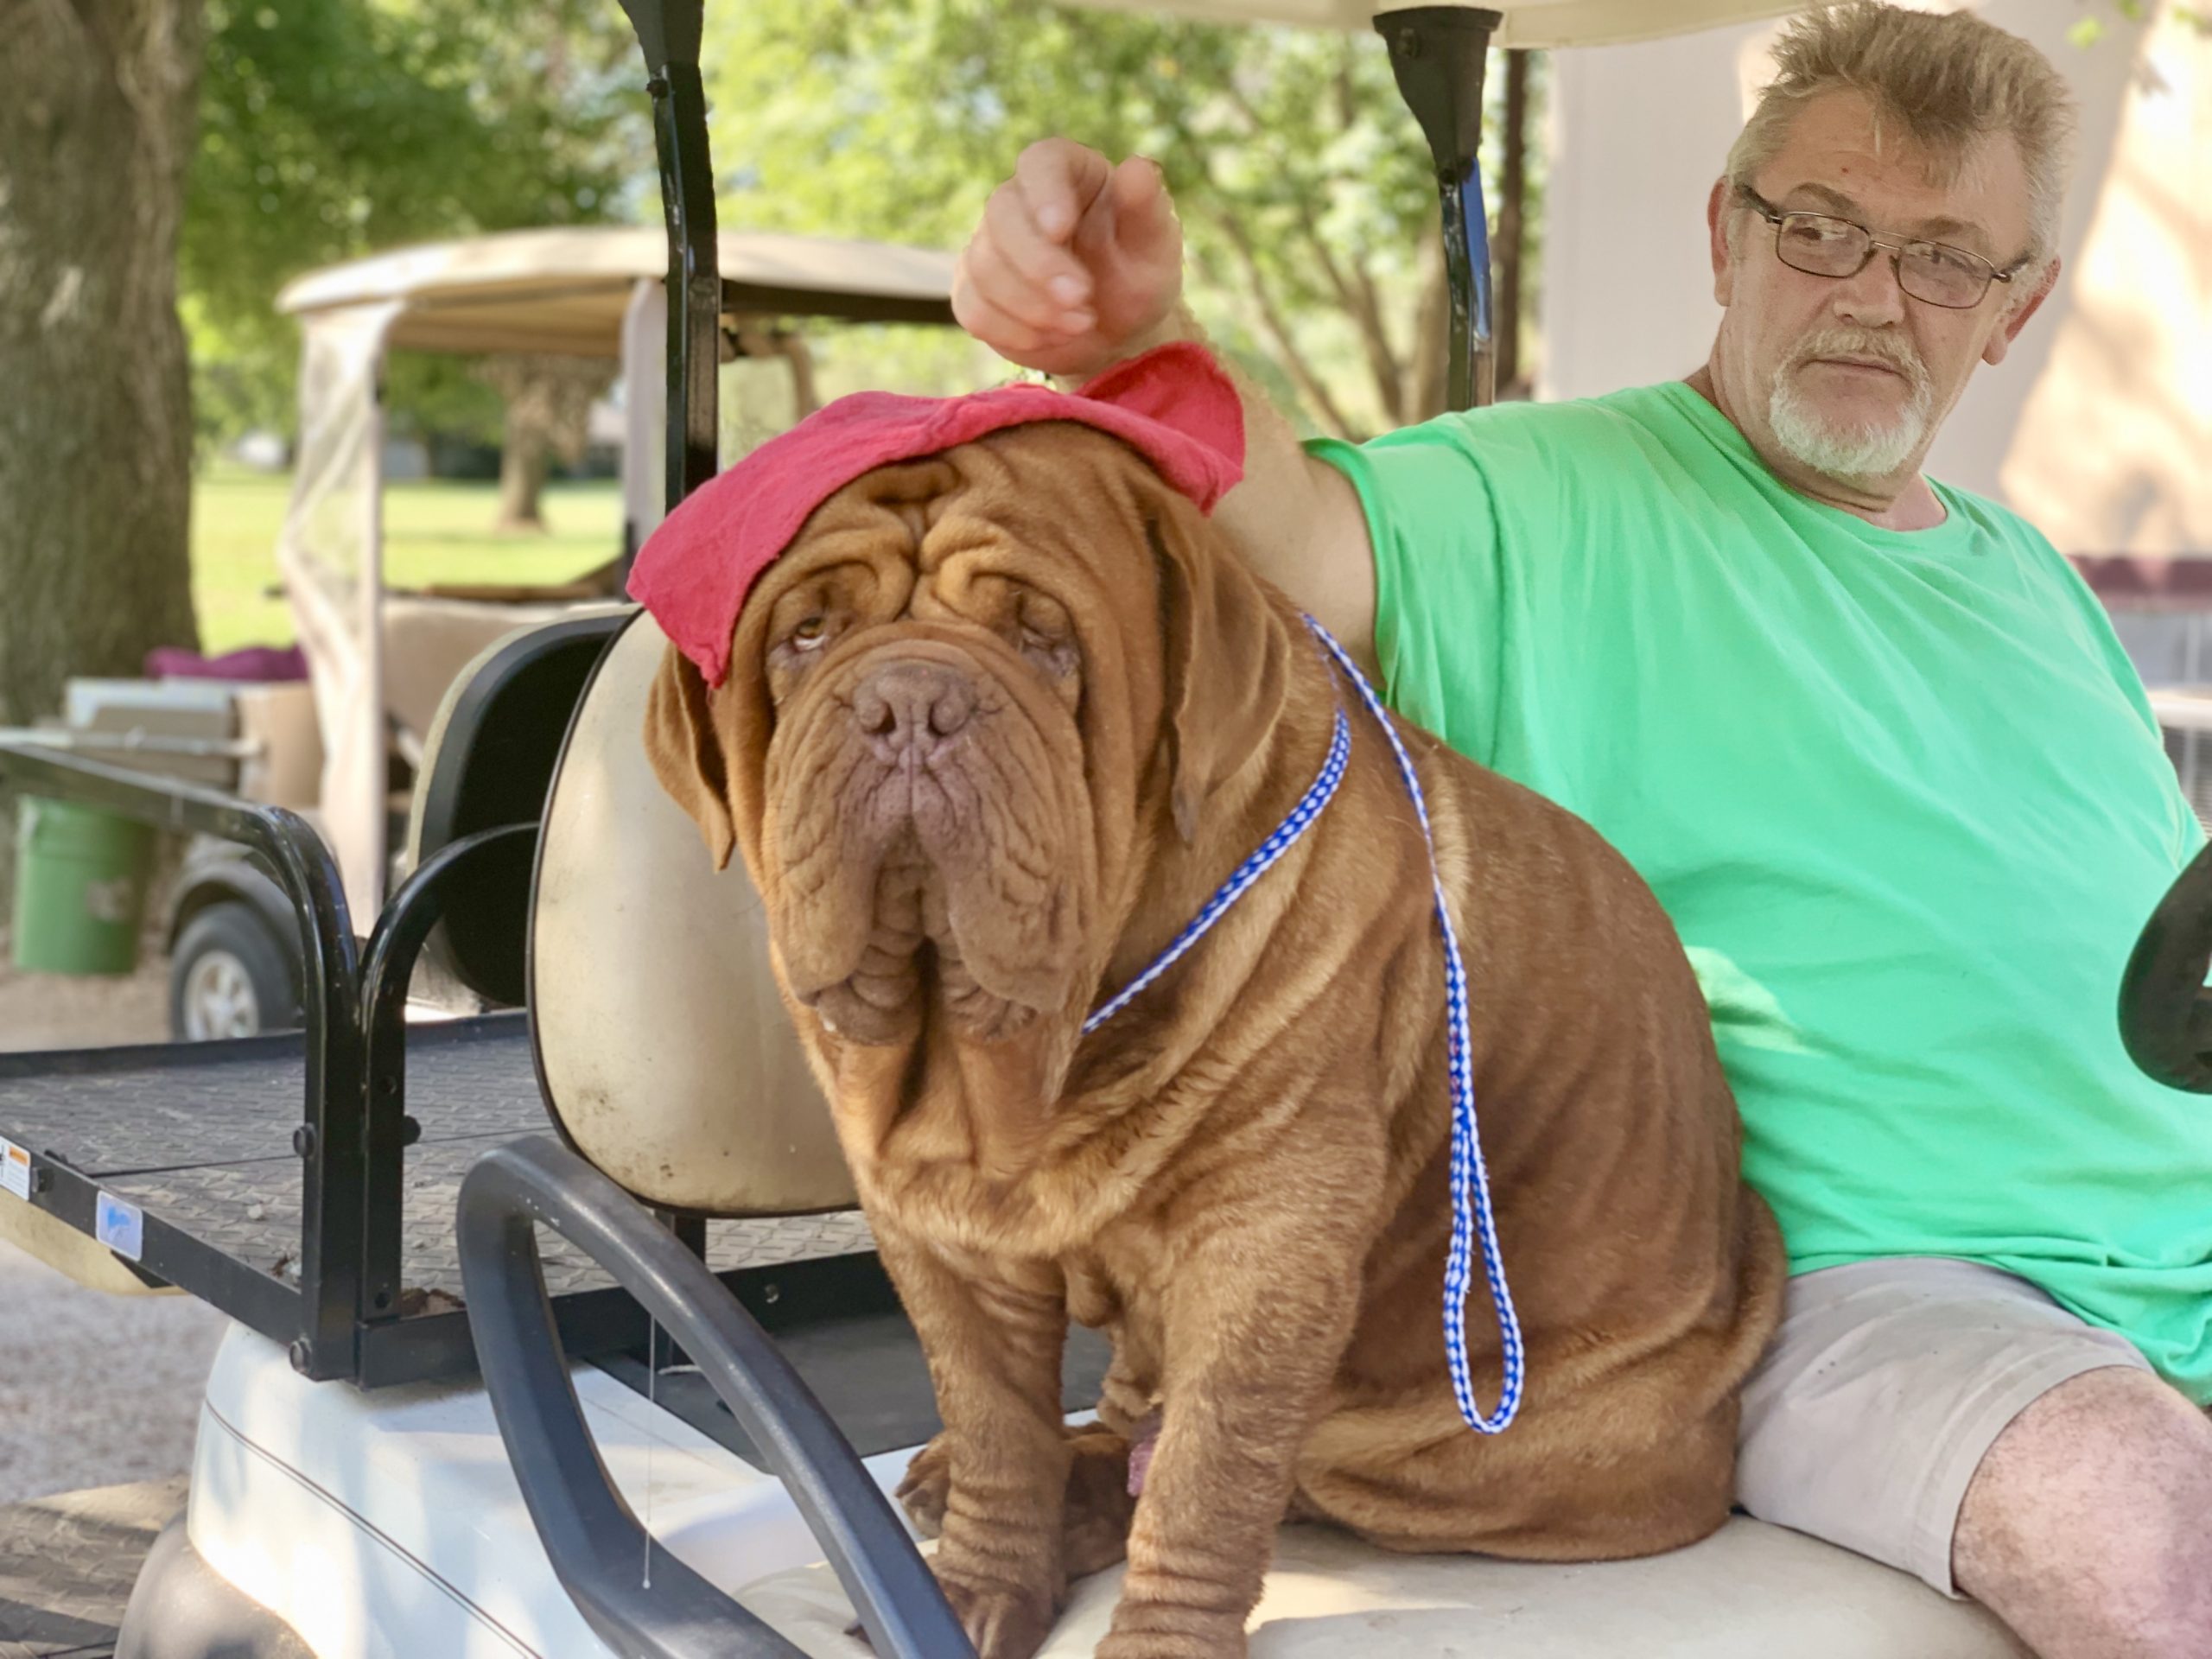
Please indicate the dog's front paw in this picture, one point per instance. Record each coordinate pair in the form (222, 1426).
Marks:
(1003, 1622)
(926, 1486)
(1099, 1505)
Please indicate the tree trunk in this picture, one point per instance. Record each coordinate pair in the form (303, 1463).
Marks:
(525, 456)
(549, 412)
(96, 123)
(1310, 383)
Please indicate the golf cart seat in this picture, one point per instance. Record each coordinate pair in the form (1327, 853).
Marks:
(667, 1058)
(1749, 1592)
(428, 642)
(668, 1061)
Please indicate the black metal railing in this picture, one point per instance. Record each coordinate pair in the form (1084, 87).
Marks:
(318, 1320)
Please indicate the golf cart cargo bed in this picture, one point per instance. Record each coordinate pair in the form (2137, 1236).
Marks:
(201, 1136)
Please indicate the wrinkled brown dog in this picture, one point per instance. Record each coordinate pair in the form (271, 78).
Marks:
(998, 723)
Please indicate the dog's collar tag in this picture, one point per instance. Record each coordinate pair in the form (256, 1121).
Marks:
(1472, 1217)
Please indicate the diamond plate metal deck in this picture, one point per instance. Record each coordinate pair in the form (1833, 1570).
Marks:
(68, 1562)
(200, 1136)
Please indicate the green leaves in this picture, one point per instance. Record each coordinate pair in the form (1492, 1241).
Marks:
(2090, 29)
(333, 128)
(1303, 184)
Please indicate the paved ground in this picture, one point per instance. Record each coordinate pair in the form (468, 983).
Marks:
(95, 1389)
(59, 1011)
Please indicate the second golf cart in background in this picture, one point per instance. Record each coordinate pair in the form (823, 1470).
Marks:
(380, 657)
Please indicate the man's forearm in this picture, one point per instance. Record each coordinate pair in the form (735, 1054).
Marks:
(1296, 519)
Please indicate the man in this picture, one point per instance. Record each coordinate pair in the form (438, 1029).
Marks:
(1881, 757)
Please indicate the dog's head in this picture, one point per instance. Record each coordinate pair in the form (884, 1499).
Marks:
(965, 709)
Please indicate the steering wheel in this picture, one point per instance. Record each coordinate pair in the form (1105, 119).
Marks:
(2165, 1011)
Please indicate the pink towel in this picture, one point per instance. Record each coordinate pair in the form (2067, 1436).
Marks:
(1173, 405)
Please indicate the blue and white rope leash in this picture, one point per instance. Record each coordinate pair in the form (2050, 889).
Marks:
(1469, 1174)
(1277, 843)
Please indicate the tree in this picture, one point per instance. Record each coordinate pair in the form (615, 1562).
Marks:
(96, 126)
(2090, 29)
(1308, 205)
(335, 128)
(323, 128)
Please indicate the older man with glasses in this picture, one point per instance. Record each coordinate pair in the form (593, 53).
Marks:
(1877, 751)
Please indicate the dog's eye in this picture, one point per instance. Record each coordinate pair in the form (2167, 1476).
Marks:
(1042, 632)
(811, 633)
(1056, 654)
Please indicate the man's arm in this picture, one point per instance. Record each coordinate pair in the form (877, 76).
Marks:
(1078, 264)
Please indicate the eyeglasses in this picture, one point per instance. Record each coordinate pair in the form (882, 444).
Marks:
(1821, 245)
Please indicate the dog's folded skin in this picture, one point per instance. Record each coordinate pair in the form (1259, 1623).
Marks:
(997, 724)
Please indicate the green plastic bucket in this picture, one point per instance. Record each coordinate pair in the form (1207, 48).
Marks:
(80, 887)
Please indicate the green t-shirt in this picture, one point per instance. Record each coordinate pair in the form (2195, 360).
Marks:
(1900, 794)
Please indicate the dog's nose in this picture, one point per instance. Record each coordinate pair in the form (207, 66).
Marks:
(914, 705)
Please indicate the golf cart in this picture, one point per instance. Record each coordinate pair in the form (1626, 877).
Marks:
(680, 1379)
(380, 658)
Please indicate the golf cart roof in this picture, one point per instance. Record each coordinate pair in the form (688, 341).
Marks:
(564, 291)
(1528, 23)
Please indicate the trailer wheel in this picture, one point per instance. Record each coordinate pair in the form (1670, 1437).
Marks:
(228, 977)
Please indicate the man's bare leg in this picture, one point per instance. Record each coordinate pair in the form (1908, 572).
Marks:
(2087, 1528)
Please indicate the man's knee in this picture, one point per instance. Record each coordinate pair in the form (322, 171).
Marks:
(2085, 1527)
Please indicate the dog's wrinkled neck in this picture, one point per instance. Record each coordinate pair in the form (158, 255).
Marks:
(943, 1097)
(1173, 876)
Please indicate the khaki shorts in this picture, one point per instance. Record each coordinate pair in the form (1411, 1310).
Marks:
(1886, 1385)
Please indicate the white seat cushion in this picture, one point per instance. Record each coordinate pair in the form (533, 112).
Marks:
(1749, 1592)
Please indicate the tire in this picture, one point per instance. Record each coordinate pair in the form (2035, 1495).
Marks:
(229, 977)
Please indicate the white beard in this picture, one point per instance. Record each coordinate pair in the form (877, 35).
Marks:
(1850, 450)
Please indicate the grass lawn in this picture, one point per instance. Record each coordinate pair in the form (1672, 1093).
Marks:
(434, 532)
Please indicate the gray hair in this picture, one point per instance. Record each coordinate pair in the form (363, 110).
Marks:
(1947, 80)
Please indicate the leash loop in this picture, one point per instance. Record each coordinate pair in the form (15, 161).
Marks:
(1473, 1221)
(1470, 1173)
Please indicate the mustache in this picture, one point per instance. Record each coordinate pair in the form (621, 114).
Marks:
(1884, 348)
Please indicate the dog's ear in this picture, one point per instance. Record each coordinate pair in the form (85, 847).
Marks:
(1224, 655)
(687, 753)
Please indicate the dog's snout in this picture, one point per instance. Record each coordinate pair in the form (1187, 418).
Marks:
(916, 704)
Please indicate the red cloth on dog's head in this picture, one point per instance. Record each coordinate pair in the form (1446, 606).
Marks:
(1173, 405)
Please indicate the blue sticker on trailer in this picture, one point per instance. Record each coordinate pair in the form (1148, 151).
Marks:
(119, 1226)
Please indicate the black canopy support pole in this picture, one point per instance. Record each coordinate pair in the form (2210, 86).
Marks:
(1438, 53)
(669, 33)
